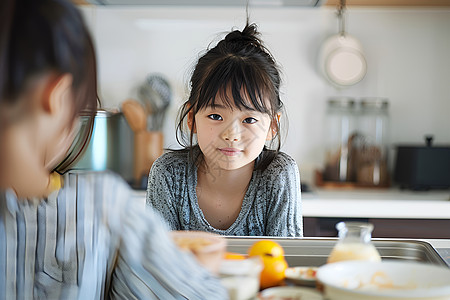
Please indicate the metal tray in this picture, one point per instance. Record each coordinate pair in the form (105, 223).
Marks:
(314, 251)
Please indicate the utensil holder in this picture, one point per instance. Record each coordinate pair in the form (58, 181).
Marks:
(148, 146)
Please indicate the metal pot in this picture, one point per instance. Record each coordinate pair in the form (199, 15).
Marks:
(111, 146)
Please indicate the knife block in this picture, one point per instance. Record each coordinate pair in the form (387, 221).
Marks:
(148, 146)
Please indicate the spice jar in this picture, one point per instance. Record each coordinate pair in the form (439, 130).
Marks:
(354, 243)
(340, 133)
(372, 144)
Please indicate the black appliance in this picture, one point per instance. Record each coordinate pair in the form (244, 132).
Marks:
(423, 167)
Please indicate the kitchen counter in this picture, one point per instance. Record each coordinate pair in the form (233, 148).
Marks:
(394, 203)
(442, 246)
(369, 203)
(374, 203)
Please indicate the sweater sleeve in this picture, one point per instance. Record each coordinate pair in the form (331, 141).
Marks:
(284, 213)
(161, 194)
(148, 264)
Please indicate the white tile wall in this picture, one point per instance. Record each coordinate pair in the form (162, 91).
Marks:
(408, 54)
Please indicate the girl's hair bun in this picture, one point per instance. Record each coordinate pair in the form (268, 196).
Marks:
(249, 36)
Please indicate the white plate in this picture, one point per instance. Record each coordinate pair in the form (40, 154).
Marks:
(301, 276)
(384, 280)
(291, 293)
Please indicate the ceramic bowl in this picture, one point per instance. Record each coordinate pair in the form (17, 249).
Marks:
(208, 248)
(301, 276)
(387, 280)
(290, 293)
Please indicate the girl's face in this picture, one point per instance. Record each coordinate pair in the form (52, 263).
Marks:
(230, 138)
(38, 141)
(60, 144)
(57, 126)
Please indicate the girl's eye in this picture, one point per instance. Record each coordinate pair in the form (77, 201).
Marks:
(249, 120)
(215, 117)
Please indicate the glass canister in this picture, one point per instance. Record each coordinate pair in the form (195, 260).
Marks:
(355, 243)
(372, 143)
(340, 134)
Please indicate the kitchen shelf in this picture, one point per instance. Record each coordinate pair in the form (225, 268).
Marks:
(371, 203)
(365, 194)
(365, 3)
(394, 212)
(402, 3)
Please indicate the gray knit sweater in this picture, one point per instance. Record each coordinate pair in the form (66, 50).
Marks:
(271, 205)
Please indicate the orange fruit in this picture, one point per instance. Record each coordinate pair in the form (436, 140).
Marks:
(274, 264)
(233, 255)
(273, 271)
(266, 248)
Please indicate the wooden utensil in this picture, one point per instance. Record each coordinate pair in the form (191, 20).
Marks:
(148, 145)
(135, 115)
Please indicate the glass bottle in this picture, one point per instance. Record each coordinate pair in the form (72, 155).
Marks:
(372, 143)
(340, 133)
(354, 243)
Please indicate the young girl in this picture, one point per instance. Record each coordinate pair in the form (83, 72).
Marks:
(88, 240)
(226, 180)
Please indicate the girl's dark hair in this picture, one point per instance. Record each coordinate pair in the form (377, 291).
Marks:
(242, 65)
(42, 36)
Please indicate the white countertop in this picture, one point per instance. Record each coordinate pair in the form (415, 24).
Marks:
(370, 203)
(439, 243)
(373, 203)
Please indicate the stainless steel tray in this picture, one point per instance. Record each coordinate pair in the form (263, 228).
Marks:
(315, 251)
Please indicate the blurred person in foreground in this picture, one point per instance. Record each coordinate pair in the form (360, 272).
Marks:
(78, 235)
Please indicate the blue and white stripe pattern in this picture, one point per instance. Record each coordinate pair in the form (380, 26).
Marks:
(91, 241)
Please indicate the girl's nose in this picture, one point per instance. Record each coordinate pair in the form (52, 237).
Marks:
(232, 133)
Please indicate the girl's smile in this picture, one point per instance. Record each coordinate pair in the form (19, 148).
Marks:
(230, 151)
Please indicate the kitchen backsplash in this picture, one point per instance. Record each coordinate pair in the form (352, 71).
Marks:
(407, 52)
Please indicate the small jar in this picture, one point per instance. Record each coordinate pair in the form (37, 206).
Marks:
(241, 277)
(354, 243)
(372, 143)
(340, 133)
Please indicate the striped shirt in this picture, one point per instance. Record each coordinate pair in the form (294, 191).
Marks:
(91, 241)
(271, 205)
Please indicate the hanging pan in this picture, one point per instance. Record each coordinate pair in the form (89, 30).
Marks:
(341, 57)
